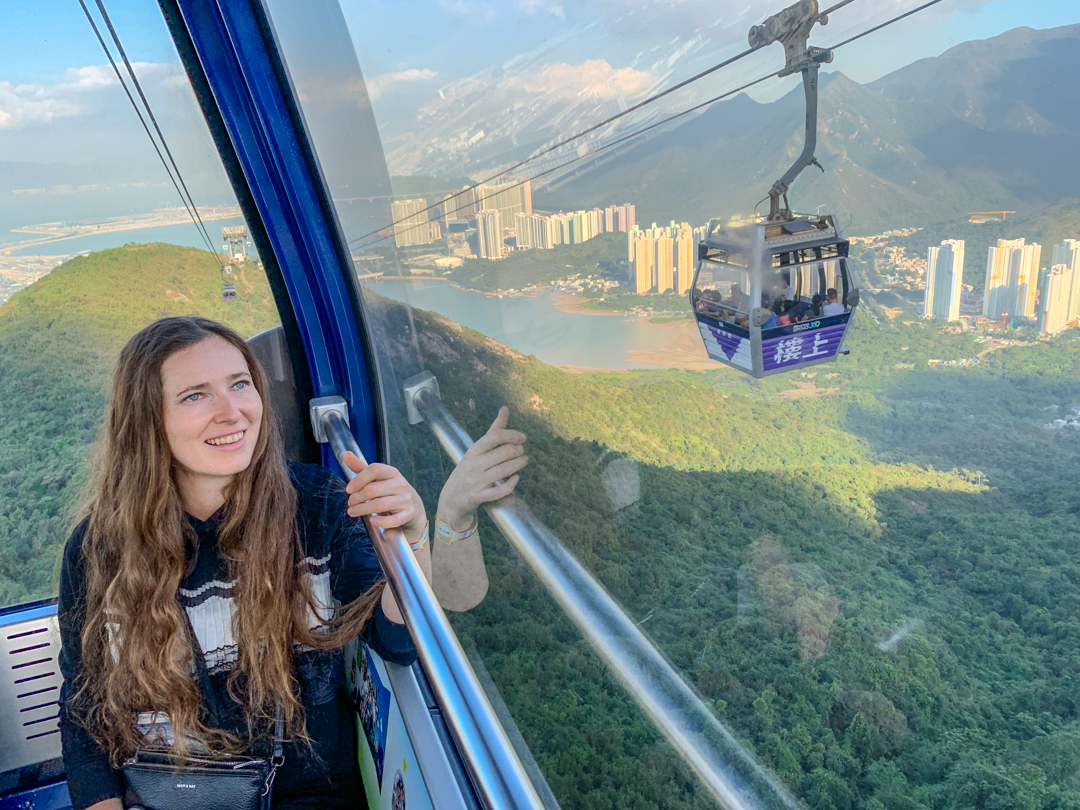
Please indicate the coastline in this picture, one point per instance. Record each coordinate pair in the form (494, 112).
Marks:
(575, 305)
(50, 233)
(682, 348)
(444, 280)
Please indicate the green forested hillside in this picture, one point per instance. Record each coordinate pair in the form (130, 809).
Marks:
(871, 574)
(58, 340)
(538, 266)
(909, 544)
(1044, 226)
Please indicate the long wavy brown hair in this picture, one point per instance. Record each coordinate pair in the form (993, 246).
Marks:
(138, 547)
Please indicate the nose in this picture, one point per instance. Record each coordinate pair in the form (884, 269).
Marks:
(226, 410)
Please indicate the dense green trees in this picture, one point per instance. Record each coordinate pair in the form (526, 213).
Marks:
(877, 589)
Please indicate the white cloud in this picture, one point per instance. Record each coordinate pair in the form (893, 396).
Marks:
(25, 104)
(594, 78)
(377, 86)
(552, 7)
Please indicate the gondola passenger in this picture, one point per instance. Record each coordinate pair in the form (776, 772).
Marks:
(832, 305)
(198, 591)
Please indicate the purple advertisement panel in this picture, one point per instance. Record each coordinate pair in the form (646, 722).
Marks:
(802, 347)
(726, 342)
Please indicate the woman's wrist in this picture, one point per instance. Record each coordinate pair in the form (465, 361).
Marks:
(421, 541)
(447, 534)
(455, 520)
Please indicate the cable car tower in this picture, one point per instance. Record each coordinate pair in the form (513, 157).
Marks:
(790, 267)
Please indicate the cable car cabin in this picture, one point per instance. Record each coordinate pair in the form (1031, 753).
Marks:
(228, 292)
(751, 279)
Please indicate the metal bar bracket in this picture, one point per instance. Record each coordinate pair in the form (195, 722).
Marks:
(319, 407)
(414, 386)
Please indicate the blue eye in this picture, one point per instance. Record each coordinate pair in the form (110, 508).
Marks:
(192, 397)
(242, 384)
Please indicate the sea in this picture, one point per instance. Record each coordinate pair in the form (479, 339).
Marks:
(186, 234)
(531, 325)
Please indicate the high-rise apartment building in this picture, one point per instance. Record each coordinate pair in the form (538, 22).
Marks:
(642, 262)
(684, 258)
(619, 218)
(411, 222)
(1068, 254)
(944, 277)
(509, 196)
(489, 235)
(665, 266)
(460, 205)
(1012, 273)
(534, 231)
(1054, 305)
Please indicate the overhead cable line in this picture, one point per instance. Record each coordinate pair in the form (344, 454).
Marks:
(588, 154)
(177, 181)
(583, 133)
(643, 129)
(153, 119)
(884, 24)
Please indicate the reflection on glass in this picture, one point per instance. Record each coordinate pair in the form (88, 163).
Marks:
(866, 569)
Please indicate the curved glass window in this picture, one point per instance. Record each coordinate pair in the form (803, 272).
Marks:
(95, 243)
(866, 569)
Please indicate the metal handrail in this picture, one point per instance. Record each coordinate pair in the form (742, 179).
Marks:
(728, 770)
(489, 757)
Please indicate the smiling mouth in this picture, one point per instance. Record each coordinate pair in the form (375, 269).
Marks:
(232, 438)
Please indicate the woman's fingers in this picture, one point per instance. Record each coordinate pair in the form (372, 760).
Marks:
(497, 434)
(500, 490)
(388, 504)
(499, 455)
(507, 468)
(353, 462)
(500, 419)
(393, 521)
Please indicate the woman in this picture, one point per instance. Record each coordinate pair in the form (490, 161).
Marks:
(196, 526)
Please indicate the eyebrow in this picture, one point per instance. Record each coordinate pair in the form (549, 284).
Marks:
(230, 378)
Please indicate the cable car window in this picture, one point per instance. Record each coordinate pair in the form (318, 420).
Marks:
(98, 237)
(853, 535)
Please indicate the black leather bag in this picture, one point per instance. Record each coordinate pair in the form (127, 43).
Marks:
(158, 780)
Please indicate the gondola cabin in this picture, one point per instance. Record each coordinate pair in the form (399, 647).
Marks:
(773, 296)
(228, 292)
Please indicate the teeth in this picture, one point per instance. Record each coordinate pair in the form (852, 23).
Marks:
(235, 437)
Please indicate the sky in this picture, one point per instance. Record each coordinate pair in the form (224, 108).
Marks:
(59, 101)
(443, 40)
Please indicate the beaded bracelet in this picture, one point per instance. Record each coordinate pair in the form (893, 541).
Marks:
(422, 543)
(448, 535)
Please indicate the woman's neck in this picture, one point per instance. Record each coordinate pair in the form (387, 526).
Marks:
(201, 495)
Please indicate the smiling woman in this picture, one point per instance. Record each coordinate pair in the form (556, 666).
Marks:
(199, 536)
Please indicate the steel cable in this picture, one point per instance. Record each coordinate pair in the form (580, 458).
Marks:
(641, 131)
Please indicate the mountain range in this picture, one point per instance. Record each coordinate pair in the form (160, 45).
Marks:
(987, 125)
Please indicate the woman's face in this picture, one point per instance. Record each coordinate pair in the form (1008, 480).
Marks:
(212, 411)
